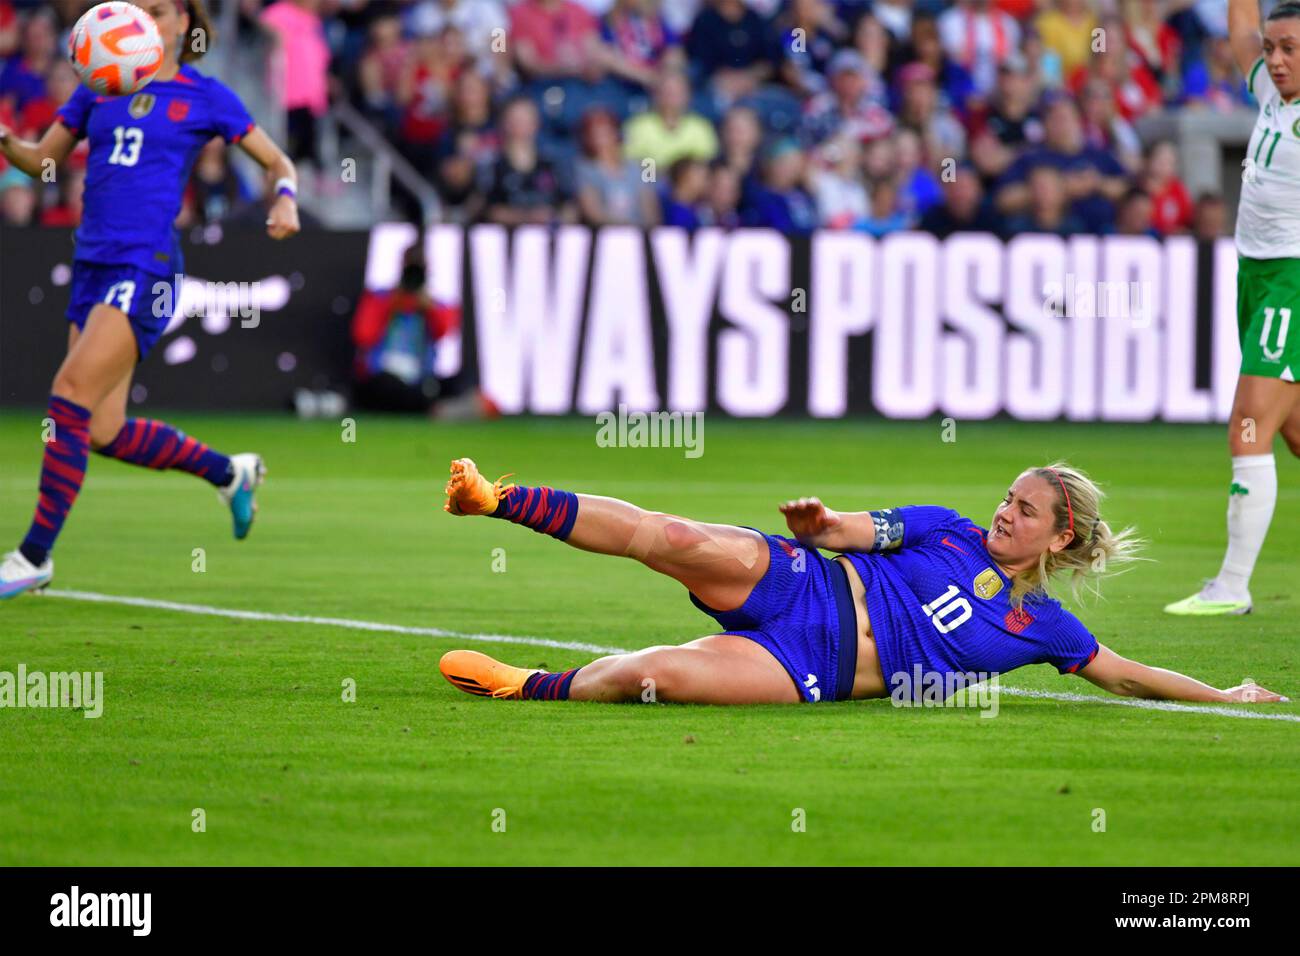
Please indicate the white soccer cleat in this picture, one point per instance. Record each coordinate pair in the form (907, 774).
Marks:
(1211, 600)
(17, 575)
(240, 494)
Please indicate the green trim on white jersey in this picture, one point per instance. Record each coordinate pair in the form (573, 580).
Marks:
(1268, 217)
(1250, 80)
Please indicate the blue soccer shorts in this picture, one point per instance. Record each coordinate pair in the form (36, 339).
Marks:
(148, 300)
(802, 611)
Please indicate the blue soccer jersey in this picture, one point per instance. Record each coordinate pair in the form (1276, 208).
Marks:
(939, 604)
(141, 149)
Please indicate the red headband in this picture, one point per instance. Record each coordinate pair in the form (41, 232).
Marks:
(1068, 509)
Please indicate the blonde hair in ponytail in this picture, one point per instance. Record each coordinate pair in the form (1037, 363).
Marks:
(1096, 549)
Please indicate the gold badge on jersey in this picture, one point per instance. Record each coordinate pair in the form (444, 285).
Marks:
(141, 105)
(987, 584)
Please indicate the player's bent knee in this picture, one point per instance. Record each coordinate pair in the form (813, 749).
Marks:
(684, 540)
(648, 673)
(661, 539)
(72, 387)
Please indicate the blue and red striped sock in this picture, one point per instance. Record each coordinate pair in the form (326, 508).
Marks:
(160, 446)
(545, 510)
(544, 686)
(62, 471)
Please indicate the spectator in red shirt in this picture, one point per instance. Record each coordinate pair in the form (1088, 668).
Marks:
(8, 29)
(1133, 85)
(424, 91)
(1154, 40)
(397, 336)
(1172, 212)
(555, 39)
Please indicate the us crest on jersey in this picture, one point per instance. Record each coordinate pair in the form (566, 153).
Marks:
(987, 583)
(142, 105)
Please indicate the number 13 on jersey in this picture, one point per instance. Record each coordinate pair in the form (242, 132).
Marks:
(127, 143)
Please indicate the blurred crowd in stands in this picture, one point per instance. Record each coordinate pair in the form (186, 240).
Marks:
(1006, 116)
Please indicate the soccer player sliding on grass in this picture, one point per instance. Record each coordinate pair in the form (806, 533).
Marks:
(917, 593)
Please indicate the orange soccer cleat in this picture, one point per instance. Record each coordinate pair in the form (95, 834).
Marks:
(469, 493)
(478, 674)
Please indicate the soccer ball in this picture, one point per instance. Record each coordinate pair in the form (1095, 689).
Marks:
(116, 48)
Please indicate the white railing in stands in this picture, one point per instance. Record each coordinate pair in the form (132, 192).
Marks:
(387, 164)
(246, 67)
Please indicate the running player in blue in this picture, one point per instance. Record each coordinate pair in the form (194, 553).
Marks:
(919, 597)
(126, 270)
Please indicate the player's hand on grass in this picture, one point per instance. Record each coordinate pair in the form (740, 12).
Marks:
(1249, 692)
(283, 221)
(808, 519)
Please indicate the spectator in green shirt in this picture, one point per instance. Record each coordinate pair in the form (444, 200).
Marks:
(670, 131)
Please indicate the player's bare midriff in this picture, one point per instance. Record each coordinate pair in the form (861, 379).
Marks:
(869, 680)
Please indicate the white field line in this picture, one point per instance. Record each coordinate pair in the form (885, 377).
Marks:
(355, 625)
(1213, 709)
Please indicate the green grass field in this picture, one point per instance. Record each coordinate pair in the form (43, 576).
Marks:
(245, 719)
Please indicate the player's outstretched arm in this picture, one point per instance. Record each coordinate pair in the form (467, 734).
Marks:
(1243, 33)
(812, 523)
(1127, 678)
(283, 219)
(33, 158)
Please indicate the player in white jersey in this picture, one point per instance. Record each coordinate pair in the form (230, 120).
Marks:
(1268, 297)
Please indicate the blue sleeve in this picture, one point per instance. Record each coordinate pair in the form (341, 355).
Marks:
(1070, 646)
(959, 84)
(230, 119)
(908, 526)
(1196, 82)
(75, 113)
